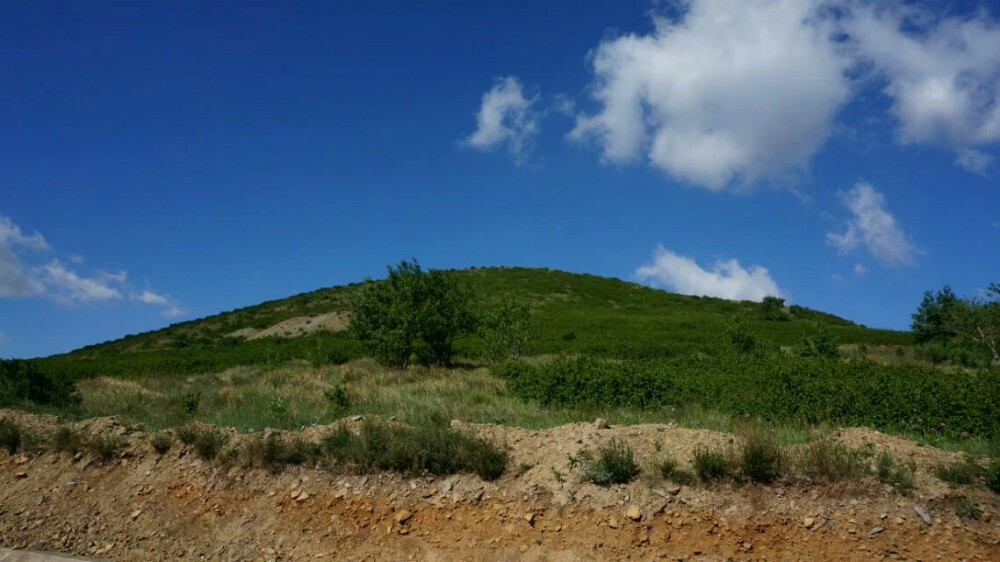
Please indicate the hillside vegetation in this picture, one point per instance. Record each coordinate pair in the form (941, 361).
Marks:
(573, 313)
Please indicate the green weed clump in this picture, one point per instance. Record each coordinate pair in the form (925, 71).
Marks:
(187, 434)
(670, 469)
(275, 452)
(430, 447)
(614, 463)
(829, 461)
(104, 447)
(711, 465)
(10, 435)
(65, 440)
(208, 443)
(958, 474)
(967, 508)
(992, 476)
(889, 471)
(161, 443)
(760, 457)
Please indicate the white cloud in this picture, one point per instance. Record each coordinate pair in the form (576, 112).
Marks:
(973, 161)
(731, 90)
(942, 74)
(170, 307)
(15, 281)
(859, 269)
(69, 287)
(76, 259)
(506, 118)
(727, 279)
(874, 227)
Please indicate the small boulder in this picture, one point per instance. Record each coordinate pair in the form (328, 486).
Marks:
(601, 423)
(926, 517)
(633, 513)
(403, 516)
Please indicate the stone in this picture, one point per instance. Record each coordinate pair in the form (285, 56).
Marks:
(808, 522)
(898, 520)
(601, 423)
(403, 516)
(613, 523)
(477, 495)
(875, 531)
(303, 496)
(135, 514)
(633, 513)
(530, 518)
(926, 517)
(21, 475)
(447, 486)
(673, 489)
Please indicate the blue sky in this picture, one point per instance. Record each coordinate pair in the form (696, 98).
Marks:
(166, 162)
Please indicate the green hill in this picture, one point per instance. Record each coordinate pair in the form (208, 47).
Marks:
(575, 313)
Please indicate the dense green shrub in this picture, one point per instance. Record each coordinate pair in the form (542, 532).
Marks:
(505, 329)
(776, 388)
(22, 381)
(614, 463)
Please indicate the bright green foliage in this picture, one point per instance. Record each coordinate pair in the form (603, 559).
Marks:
(505, 329)
(930, 321)
(411, 311)
(22, 381)
(976, 321)
(740, 335)
(773, 308)
(614, 463)
(777, 388)
(10, 435)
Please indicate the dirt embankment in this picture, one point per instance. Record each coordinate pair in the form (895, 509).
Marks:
(144, 506)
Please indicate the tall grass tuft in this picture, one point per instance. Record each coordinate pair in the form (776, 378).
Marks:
(10, 435)
(614, 463)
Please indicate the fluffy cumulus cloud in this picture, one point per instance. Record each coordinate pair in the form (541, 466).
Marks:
(505, 118)
(942, 74)
(873, 227)
(732, 90)
(727, 279)
(53, 278)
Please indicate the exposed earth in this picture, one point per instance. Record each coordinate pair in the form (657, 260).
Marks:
(144, 506)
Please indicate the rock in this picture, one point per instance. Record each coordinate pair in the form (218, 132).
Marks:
(898, 520)
(808, 522)
(477, 495)
(852, 512)
(673, 489)
(613, 523)
(21, 475)
(926, 517)
(875, 531)
(355, 418)
(403, 516)
(601, 423)
(303, 496)
(135, 514)
(747, 546)
(633, 513)
(530, 518)
(447, 486)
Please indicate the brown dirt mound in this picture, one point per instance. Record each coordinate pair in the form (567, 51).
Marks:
(143, 506)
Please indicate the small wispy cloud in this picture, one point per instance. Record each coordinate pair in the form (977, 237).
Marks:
(506, 118)
(169, 305)
(727, 279)
(873, 227)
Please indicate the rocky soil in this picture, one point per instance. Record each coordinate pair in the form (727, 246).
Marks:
(144, 506)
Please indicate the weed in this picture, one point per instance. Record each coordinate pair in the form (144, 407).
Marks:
(888, 471)
(275, 452)
(189, 403)
(208, 443)
(558, 476)
(277, 409)
(161, 443)
(826, 460)
(670, 469)
(523, 469)
(187, 434)
(10, 435)
(65, 440)
(338, 399)
(104, 447)
(760, 458)
(613, 464)
(993, 476)
(958, 474)
(711, 465)
(967, 508)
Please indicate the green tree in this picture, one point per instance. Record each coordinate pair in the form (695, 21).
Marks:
(976, 321)
(740, 335)
(820, 344)
(506, 329)
(931, 320)
(411, 311)
(773, 308)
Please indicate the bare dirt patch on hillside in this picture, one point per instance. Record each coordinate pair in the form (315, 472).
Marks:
(145, 506)
(299, 326)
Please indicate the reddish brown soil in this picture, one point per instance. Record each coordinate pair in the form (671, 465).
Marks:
(146, 507)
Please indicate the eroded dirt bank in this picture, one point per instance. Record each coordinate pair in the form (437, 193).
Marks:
(144, 506)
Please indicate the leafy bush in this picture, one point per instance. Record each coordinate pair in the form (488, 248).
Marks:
(614, 463)
(760, 458)
(967, 508)
(22, 381)
(411, 311)
(820, 344)
(187, 434)
(430, 447)
(773, 308)
(66, 440)
(337, 396)
(10, 435)
(711, 465)
(992, 476)
(189, 403)
(161, 443)
(275, 452)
